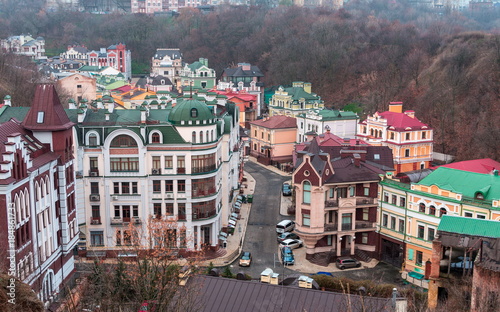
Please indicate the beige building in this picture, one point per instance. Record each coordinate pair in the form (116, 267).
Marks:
(78, 87)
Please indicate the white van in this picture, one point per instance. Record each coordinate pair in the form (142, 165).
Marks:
(285, 226)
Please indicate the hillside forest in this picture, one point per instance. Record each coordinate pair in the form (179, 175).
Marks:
(445, 65)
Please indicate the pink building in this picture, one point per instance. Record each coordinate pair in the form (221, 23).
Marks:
(336, 191)
(272, 139)
(116, 56)
(38, 227)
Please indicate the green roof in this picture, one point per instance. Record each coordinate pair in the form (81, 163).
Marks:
(467, 183)
(196, 65)
(8, 112)
(183, 112)
(298, 93)
(91, 68)
(469, 226)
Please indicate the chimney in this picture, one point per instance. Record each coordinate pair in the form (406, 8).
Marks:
(410, 113)
(143, 114)
(346, 142)
(81, 115)
(495, 172)
(396, 107)
(71, 104)
(6, 100)
(107, 113)
(99, 104)
(357, 160)
(244, 66)
(307, 87)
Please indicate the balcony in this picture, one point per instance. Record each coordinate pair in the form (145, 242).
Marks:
(365, 225)
(359, 225)
(95, 220)
(94, 197)
(116, 221)
(331, 203)
(155, 171)
(203, 169)
(350, 201)
(204, 215)
(181, 170)
(204, 193)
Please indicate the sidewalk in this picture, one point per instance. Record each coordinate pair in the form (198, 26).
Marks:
(235, 241)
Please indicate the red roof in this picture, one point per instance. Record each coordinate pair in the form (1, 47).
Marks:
(485, 165)
(401, 121)
(123, 89)
(276, 122)
(46, 112)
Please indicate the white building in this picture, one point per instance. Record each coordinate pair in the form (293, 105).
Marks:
(340, 123)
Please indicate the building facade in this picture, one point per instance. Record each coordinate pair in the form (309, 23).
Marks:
(78, 86)
(336, 199)
(25, 45)
(167, 63)
(37, 193)
(340, 123)
(197, 75)
(295, 100)
(116, 56)
(178, 163)
(410, 140)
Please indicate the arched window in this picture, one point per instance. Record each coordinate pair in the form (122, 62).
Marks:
(193, 137)
(92, 139)
(307, 193)
(155, 138)
(421, 207)
(123, 141)
(201, 136)
(432, 210)
(442, 212)
(371, 132)
(212, 135)
(208, 139)
(194, 113)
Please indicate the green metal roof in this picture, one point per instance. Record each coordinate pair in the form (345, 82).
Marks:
(469, 226)
(469, 184)
(183, 112)
(8, 112)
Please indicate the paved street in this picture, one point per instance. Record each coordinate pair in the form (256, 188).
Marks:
(260, 238)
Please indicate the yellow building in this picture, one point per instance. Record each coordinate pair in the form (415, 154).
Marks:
(295, 100)
(410, 140)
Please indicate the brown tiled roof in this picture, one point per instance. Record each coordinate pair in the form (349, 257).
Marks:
(276, 122)
(47, 101)
(229, 295)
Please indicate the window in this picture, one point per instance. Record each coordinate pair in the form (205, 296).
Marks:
(125, 187)
(421, 231)
(94, 187)
(402, 202)
(135, 211)
(96, 211)
(366, 191)
(432, 210)
(342, 192)
(201, 136)
(93, 163)
(418, 260)
(117, 211)
(182, 211)
(156, 162)
(430, 234)
(442, 211)
(157, 210)
(40, 117)
(306, 218)
(307, 193)
(366, 214)
(134, 188)
(203, 163)
(352, 191)
(169, 162)
(423, 134)
(407, 136)
(392, 135)
(169, 186)
(181, 164)
(193, 137)
(401, 225)
(96, 238)
(393, 223)
(116, 188)
(155, 138)
(468, 214)
(364, 238)
(169, 209)
(407, 152)
(123, 141)
(386, 197)
(156, 186)
(194, 113)
(479, 216)
(92, 139)
(385, 220)
(394, 199)
(124, 164)
(421, 207)
(181, 186)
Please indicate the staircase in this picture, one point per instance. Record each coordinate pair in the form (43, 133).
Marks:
(322, 259)
(361, 255)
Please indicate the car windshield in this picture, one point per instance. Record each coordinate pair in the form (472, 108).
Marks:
(246, 256)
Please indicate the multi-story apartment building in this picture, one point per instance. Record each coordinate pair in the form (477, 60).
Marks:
(116, 56)
(167, 63)
(340, 123)
(147, 6)
(25, 45)
(295, 100)
(336, 198)
(244, 77)
(78, 53)
(197, 75)
(178, 162)
(246, 102)
(38, 227)
(410, 140)
(410, 213)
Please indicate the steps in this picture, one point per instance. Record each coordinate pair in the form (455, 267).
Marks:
(361, 255)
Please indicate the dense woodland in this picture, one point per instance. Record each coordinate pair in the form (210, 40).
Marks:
(445, 65)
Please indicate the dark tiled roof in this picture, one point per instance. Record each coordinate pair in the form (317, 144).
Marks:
(229, 295)
(172, 53)
(54, 117)
(254, 71)
(380, 156)
(346, 171)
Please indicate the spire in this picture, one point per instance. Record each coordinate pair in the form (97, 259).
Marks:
(46, 112)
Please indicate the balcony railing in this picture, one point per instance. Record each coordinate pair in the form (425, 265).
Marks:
(155, 171)
(94, 172)
(331, 203)
(95, 220)
(358, 201)
(94, 197)
(203, 193)
(203, 169)
(365, 201)
(181, 170)
(204, 215)
(365, 224)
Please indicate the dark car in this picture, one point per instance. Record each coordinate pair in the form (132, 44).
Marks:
(287, 235)
(347, 262)
(287, 190)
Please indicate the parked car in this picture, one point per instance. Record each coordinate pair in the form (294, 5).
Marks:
(286, 189)
(347, 262)
(285, 226)
(287, 235)
(287, 256)
(292, 243)
(245, 259)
